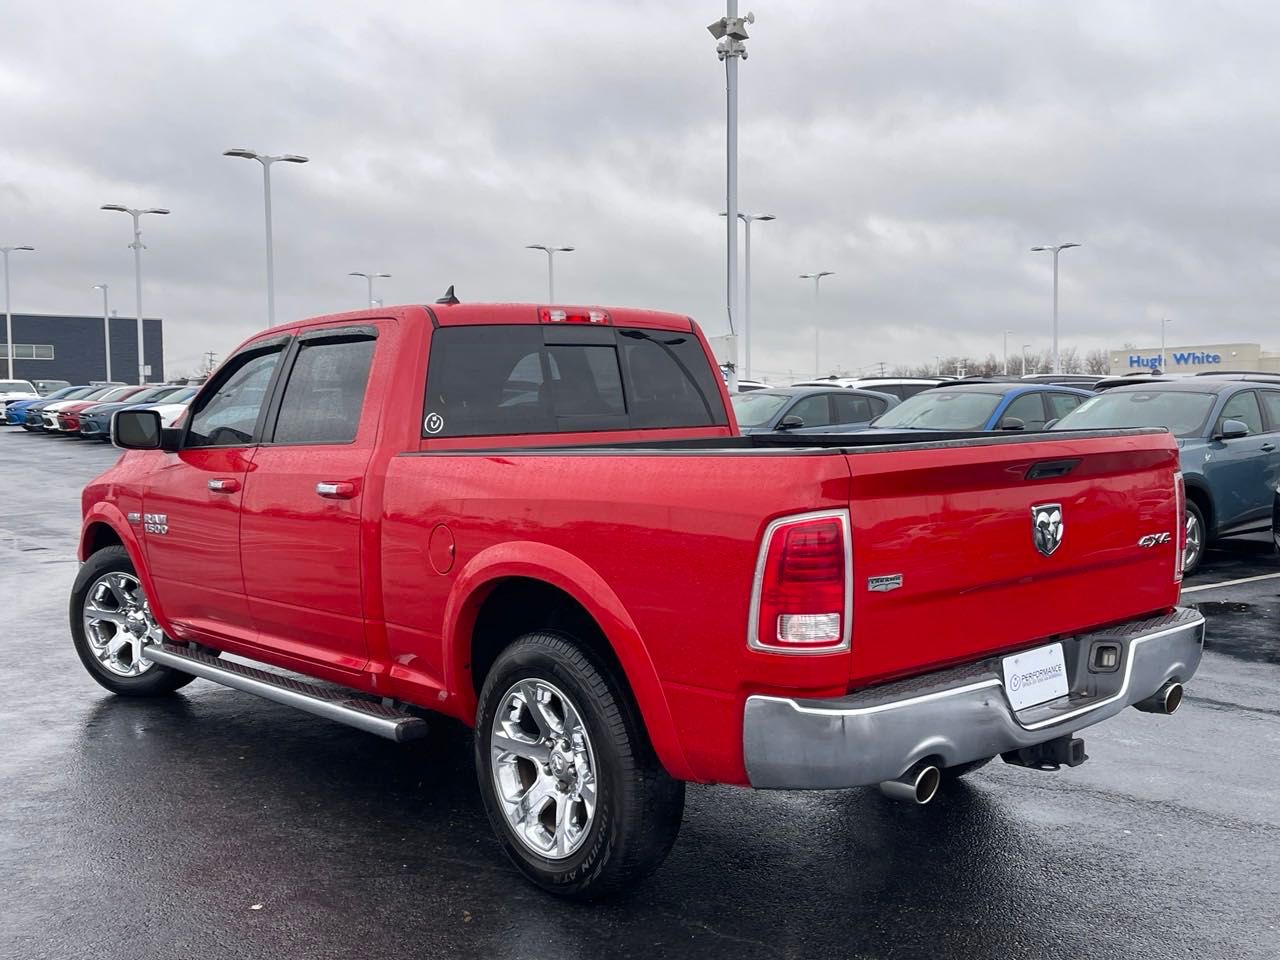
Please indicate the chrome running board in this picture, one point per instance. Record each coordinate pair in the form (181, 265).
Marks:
(332, 703)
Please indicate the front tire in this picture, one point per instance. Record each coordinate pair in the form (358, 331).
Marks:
(111, 622)
(1197, 534)
(570, 782)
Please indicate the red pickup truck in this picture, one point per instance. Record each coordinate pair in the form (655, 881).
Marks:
(542, 521)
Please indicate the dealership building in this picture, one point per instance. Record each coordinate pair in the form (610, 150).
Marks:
(47, 347)
(1200, 358)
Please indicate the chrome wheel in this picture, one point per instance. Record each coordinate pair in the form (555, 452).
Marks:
(1195, 541)
(544, 770)
(118, 623)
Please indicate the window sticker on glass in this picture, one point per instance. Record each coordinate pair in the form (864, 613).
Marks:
(434, 423)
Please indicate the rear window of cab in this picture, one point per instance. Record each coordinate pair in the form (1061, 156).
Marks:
(518, 379)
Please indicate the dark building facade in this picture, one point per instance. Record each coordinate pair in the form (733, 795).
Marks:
(74, 348)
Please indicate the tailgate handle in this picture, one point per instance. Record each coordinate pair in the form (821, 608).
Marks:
(1047, 469)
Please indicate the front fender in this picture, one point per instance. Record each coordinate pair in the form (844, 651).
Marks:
(104, 513)
(560, 569)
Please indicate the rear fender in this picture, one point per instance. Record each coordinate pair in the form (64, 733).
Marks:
(107, 514)
(556, 567)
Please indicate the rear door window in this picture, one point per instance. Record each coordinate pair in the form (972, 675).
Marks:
(814, 411)
(1028, 408)
(324, 396)
(1243, 407)
(851, 408)
(1271, 403)
(1060, 404)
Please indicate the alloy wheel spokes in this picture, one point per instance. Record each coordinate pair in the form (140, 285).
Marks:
(118, 624)
(543, 768)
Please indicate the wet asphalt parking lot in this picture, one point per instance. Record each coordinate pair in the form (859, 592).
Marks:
(213, 824)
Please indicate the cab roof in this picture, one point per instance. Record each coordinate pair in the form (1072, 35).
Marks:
(489, 314)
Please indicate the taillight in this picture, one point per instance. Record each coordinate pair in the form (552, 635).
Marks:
(1180, 540)
(573, 315)
(802, 595)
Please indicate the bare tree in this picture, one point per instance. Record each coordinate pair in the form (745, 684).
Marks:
(1069, 357)
(1097, 361)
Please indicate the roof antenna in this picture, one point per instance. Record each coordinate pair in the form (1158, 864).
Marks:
(449, 296)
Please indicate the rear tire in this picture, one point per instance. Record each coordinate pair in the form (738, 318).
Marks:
(111, 621)
(570, 782)
(1197, 537)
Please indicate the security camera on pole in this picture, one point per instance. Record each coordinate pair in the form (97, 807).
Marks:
(731, 31)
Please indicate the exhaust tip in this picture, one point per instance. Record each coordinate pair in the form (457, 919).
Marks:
(918, 785)
(927, 784)
(1166, 700)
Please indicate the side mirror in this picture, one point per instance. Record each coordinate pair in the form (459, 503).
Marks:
(791, 422)
(1232, 430)
(1013, 423)
(141, 430)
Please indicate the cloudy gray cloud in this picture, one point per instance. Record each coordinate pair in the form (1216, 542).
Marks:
(917, 149)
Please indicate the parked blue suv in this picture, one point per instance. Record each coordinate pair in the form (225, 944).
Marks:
(1229, 435)
(980, 405)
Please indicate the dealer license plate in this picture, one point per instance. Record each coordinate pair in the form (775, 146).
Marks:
(1035, 676)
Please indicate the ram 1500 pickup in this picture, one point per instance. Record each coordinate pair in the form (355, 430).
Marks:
(542, 521)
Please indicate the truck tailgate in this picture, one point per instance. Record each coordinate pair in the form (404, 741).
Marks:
(945, 556)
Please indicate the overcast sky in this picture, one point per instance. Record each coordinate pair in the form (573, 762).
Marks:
(916, 149)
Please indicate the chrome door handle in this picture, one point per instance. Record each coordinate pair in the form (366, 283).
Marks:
(1268, 447)
(224, 485)
(336, 489)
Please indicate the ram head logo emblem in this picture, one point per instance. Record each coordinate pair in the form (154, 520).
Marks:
(1046, 527)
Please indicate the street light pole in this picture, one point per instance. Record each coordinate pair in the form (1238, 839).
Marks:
(817, 354)
(267, 160)
(731, 30)
(1055, 250)
(551, 252)
(748, 219)
(1006, 352)
(369, 278)
(8, 312)
(1024, 358)
(1164, 322)
(138, 246)
(106, 325)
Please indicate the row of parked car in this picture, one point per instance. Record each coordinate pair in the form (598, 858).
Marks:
(86, 411)
(1227, 426)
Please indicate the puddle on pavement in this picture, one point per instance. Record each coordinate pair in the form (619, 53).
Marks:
(1245, 631)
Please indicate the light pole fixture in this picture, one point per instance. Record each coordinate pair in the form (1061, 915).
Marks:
(266, 160)
(106, 325)
(1006, 352)
(1164, 322)
(1024, 358)
(138, 246)
(8, 313)
(817, 354)
(551, 252)
(369, 278)
(731, 33)
(748, 219)
(1055, 250)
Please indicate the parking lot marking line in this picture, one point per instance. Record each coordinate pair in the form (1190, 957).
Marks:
(1231, 583)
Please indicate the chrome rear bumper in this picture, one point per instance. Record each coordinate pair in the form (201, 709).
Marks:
(957, 715)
